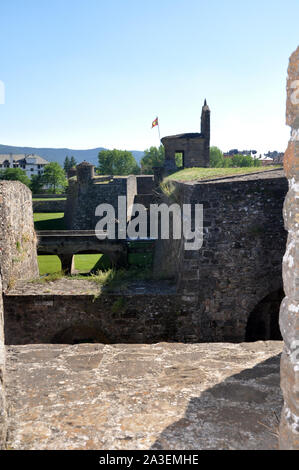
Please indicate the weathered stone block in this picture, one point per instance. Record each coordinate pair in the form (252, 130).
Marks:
(291, 268)
(18, 256)
(291, 159)
(3, 412)
(292, 114)
(289, 311)
(288, 437)
(289, 379)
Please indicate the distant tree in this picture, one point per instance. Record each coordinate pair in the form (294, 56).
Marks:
(154, 156)
(227, 162)
(54, 177)
(236, 160)
(117, 162)
(15, 174)
(36, 183)
(69, 163)
(66, 164)
(216, 158)
(73, 162)
(242, 160)
(257, 162)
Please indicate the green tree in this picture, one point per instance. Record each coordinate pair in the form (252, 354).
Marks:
(73, 162)
(257, 162)
(227, 162)
(54, 177)
(242, 160)
(154, 156)
(69, 163)
(15, 174)
(66, 164)
(216, 158)
(36, 183)
(117, 162)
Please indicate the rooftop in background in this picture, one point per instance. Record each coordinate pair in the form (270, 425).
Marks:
(18, 157)
(30, 163)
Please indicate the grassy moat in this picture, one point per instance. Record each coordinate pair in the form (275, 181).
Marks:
(96, 265)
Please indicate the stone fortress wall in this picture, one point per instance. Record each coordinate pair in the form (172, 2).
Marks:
(86, 192)
(229, 288)
(18, 260)
(239, 264)
(49, 206)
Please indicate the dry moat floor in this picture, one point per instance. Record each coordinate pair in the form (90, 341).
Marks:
(160, 396)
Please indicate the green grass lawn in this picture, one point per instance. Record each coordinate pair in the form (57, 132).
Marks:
(49, 221)
(49, 264)
(195, 174)
(44, 199)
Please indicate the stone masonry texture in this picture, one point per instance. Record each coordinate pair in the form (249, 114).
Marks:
(161, 396)
(18, 260)
(3, 411)
(48, 206)
(83, 197)
(239, 263)
(289, 312)
(18, 257)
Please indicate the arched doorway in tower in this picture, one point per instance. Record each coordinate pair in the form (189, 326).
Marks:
(263, 321)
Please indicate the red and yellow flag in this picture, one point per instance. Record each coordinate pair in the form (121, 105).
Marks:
(155, 123)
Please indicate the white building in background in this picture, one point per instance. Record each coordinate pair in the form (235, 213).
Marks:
(31, 164)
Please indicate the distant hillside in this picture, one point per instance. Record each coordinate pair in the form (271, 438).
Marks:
(58, 155)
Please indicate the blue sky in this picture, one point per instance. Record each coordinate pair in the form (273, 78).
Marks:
(82, 74)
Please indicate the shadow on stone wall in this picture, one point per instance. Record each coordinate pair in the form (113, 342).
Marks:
(242, 412)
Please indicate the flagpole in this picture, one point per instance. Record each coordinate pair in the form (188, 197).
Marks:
(156, 123)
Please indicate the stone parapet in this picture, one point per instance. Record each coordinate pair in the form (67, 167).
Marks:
(18, 257)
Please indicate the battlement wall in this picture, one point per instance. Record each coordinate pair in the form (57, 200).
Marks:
(18, 257)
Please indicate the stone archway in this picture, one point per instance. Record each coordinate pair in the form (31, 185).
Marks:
(263, 321)
(78, 334)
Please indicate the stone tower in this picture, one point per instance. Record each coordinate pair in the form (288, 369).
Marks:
(205, 131)
(85, 175)
(85, 172)
(194, 146)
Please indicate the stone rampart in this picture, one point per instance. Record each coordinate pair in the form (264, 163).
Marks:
(111, 318)
(145, 184)
(82, 200)
(48, 205)
(239, 264)
(18, 258)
